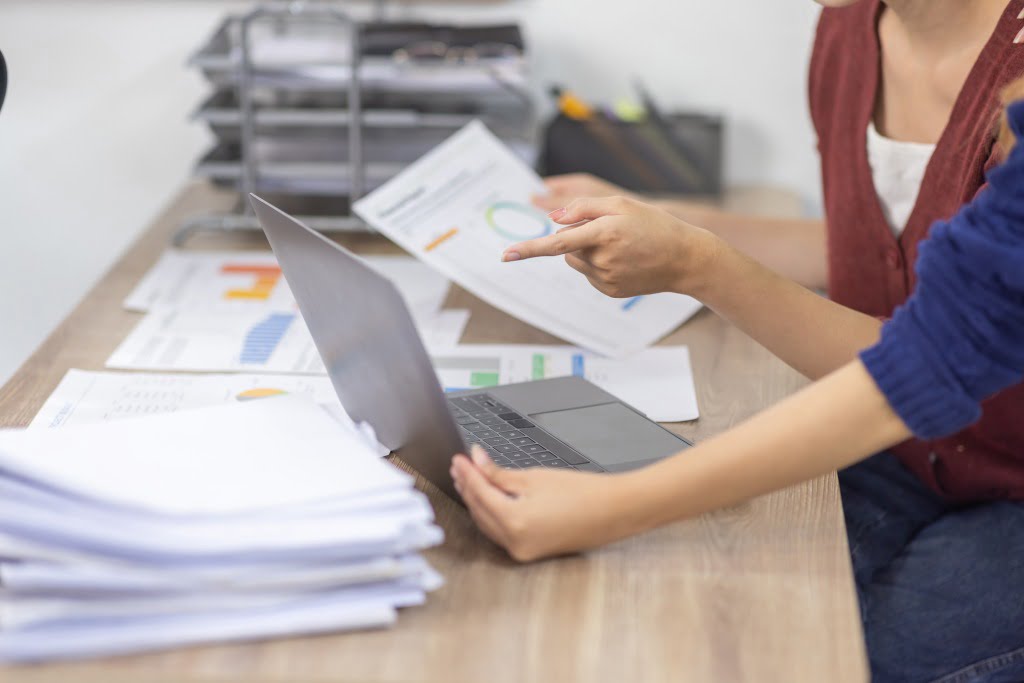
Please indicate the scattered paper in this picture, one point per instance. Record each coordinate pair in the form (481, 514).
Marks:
(83, 396)
(658, 381)
(246, 341)
(458, 207)
(251, 280)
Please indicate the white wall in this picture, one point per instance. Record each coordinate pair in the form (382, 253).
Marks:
(94, 137)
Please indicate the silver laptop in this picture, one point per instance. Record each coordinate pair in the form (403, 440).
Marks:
(383, 376)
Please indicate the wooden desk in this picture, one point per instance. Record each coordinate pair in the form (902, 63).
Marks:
(760, 592)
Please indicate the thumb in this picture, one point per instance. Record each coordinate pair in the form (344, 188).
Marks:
(509, 481)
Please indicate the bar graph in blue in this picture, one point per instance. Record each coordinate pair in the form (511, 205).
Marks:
(264, 336)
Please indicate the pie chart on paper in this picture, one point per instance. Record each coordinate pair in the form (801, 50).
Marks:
(517, 222)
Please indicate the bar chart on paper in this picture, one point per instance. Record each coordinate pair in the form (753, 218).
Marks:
(265, 281)
(459, 207)
(657, 381)
(264, 337)
(246, 341)
(204, 341)
(246, 281)
(458, 372)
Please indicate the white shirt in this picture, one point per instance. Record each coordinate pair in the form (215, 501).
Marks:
(897, 169)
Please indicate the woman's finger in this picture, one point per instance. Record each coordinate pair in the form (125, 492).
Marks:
(561, 242)
(487, 493)
(589, 208)
(571, 227)
(509, 481)
(550, 202)
(581, 265)
(481, 515)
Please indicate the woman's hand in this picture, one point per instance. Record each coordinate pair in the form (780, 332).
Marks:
(627, 248)
(541, 512)
(562, 189)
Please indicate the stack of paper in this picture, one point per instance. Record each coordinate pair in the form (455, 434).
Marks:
(249, 520)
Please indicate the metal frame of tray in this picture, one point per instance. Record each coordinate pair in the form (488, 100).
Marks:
(244, 218)
(228, 63)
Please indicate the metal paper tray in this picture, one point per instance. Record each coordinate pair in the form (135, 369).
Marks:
(308, 55)
(221, 112)
(309, 167)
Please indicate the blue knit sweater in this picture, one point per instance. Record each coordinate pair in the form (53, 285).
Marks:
(960, 337)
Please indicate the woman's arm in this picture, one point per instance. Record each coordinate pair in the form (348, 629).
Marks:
(794, 248)
(537, 513)
(627, 248)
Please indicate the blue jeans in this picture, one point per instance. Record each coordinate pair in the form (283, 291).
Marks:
(941, 587)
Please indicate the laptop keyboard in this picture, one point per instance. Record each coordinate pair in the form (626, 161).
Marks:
(508, 436)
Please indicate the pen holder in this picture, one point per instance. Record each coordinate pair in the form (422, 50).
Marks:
(677, 154)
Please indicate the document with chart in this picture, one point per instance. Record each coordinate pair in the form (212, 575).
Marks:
(246, 341)
(461, 205)
(658, 381)
(252, 280)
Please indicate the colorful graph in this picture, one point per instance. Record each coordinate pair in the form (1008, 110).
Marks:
(259, 392)
(265, 279)
(630, 303)
(517, 222)
(458, 373)
(441, 239)
(264, 337)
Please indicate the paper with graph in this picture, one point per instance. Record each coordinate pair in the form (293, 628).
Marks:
(85, 396)
(458, 207)
(259, 340)
(658, 382)
(250, 280)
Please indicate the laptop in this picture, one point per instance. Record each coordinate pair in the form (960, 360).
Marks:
(383, 376)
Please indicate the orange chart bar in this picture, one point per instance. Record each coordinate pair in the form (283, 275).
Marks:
(442, 238)
(266, 280)
(240, 269)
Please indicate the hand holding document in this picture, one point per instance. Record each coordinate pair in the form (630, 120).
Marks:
(461, 205)
(249, 520)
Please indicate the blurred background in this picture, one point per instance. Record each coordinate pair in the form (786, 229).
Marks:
(95, 136)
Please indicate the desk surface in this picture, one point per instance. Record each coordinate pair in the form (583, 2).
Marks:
(762, 591)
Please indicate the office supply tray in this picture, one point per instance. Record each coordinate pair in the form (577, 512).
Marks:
(310, 103)
(315, 56)
(315, 167)
(280, 115)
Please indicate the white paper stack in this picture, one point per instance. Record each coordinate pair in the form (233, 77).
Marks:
(251, 520)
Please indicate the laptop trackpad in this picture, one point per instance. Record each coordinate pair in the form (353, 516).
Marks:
(611, 435)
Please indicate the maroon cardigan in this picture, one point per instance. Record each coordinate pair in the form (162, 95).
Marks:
(871, 270)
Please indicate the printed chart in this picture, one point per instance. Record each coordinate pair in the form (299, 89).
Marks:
(245, 281)
(462, 204)
(246, 341)
(657, 381)
(516, 221)
(99, 396)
